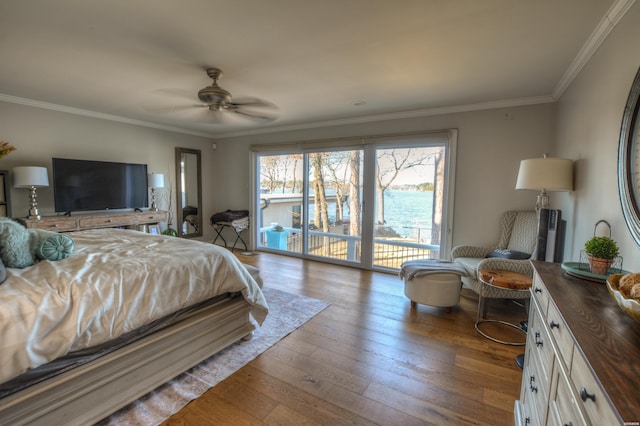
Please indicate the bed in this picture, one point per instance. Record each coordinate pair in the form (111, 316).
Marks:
(85, 335)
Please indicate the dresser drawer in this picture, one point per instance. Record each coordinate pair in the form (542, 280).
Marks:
(55, 224)
(539, 345)
(564, 408)
(539, 390)
(596, 406)
(106, 221)
(560, 333)
(540, 293)
(151, 217)
(529, 400)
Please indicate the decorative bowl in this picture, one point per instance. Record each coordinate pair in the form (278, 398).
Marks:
(630, 306)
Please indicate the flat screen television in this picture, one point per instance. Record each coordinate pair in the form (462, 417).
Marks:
(84, 185)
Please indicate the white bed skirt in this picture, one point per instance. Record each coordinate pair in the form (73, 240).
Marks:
(93, 391)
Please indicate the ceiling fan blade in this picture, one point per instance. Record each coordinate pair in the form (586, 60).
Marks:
(168, 109)
(253, 102)
(174, 93)
(258, 116)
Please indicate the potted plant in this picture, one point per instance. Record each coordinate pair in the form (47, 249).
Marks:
(277, 237)
(600, 253)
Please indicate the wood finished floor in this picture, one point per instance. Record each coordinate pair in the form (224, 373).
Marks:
(367, 359)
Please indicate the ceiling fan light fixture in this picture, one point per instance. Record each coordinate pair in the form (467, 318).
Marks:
(215, 96)
(217, 99)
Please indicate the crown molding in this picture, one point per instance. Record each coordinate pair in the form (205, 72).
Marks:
(507, 103)
(602, 30)
(98, 115)
(285, 128)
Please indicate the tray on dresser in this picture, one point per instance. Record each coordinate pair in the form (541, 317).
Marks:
(581, 270)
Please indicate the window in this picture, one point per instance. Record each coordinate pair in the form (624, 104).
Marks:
(312, 199)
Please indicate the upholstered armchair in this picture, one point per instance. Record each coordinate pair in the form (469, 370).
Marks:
(518, 237)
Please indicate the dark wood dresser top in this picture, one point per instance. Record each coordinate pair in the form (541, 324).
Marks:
(608, 338)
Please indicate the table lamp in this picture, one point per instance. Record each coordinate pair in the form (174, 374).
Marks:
(31, 177)
(545, 174)
(156, 180)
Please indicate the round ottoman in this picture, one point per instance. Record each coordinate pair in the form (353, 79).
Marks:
(441, 289)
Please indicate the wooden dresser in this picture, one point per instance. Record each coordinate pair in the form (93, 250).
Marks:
(97, 220)
(582, 359)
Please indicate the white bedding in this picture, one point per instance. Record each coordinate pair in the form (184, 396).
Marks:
(115, 281)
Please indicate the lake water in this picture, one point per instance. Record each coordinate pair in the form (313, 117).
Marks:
(408, 211)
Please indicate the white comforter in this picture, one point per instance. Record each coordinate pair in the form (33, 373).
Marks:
(115, 281)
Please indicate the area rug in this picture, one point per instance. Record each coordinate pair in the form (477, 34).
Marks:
(287, 312)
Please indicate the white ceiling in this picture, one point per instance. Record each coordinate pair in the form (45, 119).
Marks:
(141, 60)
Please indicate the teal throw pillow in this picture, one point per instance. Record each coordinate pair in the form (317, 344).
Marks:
(53, 246)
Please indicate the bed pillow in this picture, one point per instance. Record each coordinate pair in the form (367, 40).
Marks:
(15, 244)
(509, 254)
(53, 245)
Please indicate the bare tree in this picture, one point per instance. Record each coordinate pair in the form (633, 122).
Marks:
(270, 172)
(354, 192)
(295, 158)
(321, 211)
(335, 164)
(438, 195)
(390, 162)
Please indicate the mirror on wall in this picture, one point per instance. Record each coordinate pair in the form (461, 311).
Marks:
(629, 161)
(188, 193)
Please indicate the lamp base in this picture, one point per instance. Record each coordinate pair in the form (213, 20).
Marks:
(542, 202)
(154, 206)
(34, 215)
(33, 211)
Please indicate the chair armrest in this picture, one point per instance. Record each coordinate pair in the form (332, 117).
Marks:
(521, 266)
(469, 251)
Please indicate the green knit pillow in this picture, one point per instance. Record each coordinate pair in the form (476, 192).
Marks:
(16, 244)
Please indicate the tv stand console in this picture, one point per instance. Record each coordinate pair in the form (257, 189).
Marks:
(98, 220)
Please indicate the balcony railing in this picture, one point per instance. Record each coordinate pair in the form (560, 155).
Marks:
(387, 252)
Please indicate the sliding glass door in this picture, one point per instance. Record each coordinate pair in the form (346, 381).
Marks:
(334, 205)
(409, 203)
(312, 202)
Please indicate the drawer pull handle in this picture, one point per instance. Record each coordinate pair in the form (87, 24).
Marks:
(538, 341)
(55, 225)
(527, 421)
(554, 325)
(584, 395)
(537, 290)
(108, 221)
(532, 380)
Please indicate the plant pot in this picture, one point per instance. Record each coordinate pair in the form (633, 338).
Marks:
(277, 240)
(599, 266)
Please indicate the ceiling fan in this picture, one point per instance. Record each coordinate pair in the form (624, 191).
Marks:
(218, 99)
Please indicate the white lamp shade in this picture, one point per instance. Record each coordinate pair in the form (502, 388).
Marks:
(549, 173)
(28, 176)
(156, 180)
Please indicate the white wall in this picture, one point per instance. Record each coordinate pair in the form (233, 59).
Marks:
(589, 118)
(491, 144)
(40, 134)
